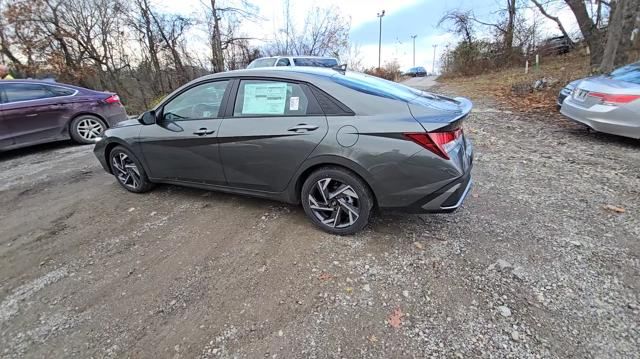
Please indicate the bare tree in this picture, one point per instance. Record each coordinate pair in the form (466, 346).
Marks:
(542, 8)
(461, 23)
(324, 32)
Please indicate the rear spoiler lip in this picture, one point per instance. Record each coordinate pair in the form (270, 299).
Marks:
(445, 122)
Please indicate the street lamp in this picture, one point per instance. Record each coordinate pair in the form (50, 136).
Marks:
(433, 68)
(414, 49)
(380, 15)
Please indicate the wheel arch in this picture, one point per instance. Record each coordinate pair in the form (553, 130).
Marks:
(329, 161)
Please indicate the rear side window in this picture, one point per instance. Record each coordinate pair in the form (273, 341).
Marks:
(270, 98)
(376, 86)
(27, 92)
(283, 62)
(315, 62)
(59, 91)
(268, 62)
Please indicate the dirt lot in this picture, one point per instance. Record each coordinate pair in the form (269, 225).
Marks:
(532, 266)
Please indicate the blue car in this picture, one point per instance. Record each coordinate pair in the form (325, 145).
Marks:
(418, 71)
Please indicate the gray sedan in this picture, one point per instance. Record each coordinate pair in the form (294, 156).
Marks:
(341, 144)
(609, 103)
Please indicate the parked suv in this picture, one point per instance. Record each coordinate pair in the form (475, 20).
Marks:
(33, 112)
(313, 61)
(418, 71)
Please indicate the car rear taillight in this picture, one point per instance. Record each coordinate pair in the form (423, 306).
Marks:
(112, 99)
(611, 99)
(436, 142)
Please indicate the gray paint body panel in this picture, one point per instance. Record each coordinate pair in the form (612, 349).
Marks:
(260, 157)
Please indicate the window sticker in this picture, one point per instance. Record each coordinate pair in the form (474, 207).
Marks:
(264, 98)
(294, 103)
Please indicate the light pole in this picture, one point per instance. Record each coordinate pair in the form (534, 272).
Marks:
(380, 15)
(414, 49)
(433, 68)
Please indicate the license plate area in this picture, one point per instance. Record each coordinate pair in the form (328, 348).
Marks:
(580, 95)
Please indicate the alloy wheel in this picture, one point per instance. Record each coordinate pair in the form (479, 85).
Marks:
(90, 129)
(126, 170)
(334, 203)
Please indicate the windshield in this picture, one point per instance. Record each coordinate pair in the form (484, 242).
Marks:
(629, 73)
(266, 62)
(315, 62)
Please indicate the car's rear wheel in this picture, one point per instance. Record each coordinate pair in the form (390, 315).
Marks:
(128, 171)
(337, 200)
(86, 129)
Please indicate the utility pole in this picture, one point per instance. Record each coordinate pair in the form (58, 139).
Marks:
(433, 68)
(414, 49)
(380, 15)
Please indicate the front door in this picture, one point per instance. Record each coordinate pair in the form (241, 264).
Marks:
(274, 127)
(182, 145)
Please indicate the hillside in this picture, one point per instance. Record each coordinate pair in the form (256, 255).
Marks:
(513, 89)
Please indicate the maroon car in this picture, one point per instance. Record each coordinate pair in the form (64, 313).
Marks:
(34, 112)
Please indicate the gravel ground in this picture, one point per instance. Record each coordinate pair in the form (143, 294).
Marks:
(535, 265)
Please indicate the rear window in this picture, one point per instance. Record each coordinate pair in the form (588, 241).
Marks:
(629, 73)
(262, 63)
(315, 62)
(376, 86)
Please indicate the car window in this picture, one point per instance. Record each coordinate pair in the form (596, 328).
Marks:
(629, 73)
(199, 102)
(283, 62)
(376, 86)
(56, 91)
(26, 92)
(270, 98)
(315, 62)
(266, 62)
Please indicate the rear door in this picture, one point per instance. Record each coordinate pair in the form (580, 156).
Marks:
(35, 112)
(270, 128)
(182, 145)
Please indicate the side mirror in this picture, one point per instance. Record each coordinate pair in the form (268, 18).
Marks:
(148, 118)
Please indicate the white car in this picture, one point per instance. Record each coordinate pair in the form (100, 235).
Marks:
(314, 61)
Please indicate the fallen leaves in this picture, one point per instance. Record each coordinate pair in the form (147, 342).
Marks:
(613, 208)
(395, 318)
(324, 276)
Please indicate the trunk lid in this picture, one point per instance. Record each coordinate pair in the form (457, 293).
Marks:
(436, 112)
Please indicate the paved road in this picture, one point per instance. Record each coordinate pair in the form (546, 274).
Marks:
(422, 83)
(532, 266)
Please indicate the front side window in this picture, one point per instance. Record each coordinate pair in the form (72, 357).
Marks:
(26, 92)
(199, 102)
(270, 98)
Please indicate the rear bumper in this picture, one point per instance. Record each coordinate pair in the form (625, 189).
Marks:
(602, 118)
(451, 196)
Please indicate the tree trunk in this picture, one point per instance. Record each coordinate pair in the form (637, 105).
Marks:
(614, 36)
(217, 57)
(591, 34)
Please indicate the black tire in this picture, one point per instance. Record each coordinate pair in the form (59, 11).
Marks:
(128, 171)
(81, 133)
(363, 201)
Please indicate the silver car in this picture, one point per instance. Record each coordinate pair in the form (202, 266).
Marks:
(339, 143)
(608, 103)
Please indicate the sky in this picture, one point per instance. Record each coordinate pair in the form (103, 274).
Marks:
(403, 18)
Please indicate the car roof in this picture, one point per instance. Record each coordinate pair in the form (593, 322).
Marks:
(296, 57)
(294, 73)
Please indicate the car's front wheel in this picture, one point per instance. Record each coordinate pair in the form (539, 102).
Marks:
(337, 200)
(128, 170)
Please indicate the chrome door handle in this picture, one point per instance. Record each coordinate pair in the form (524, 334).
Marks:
(203, 132)
(303, 127)
(32, 115)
